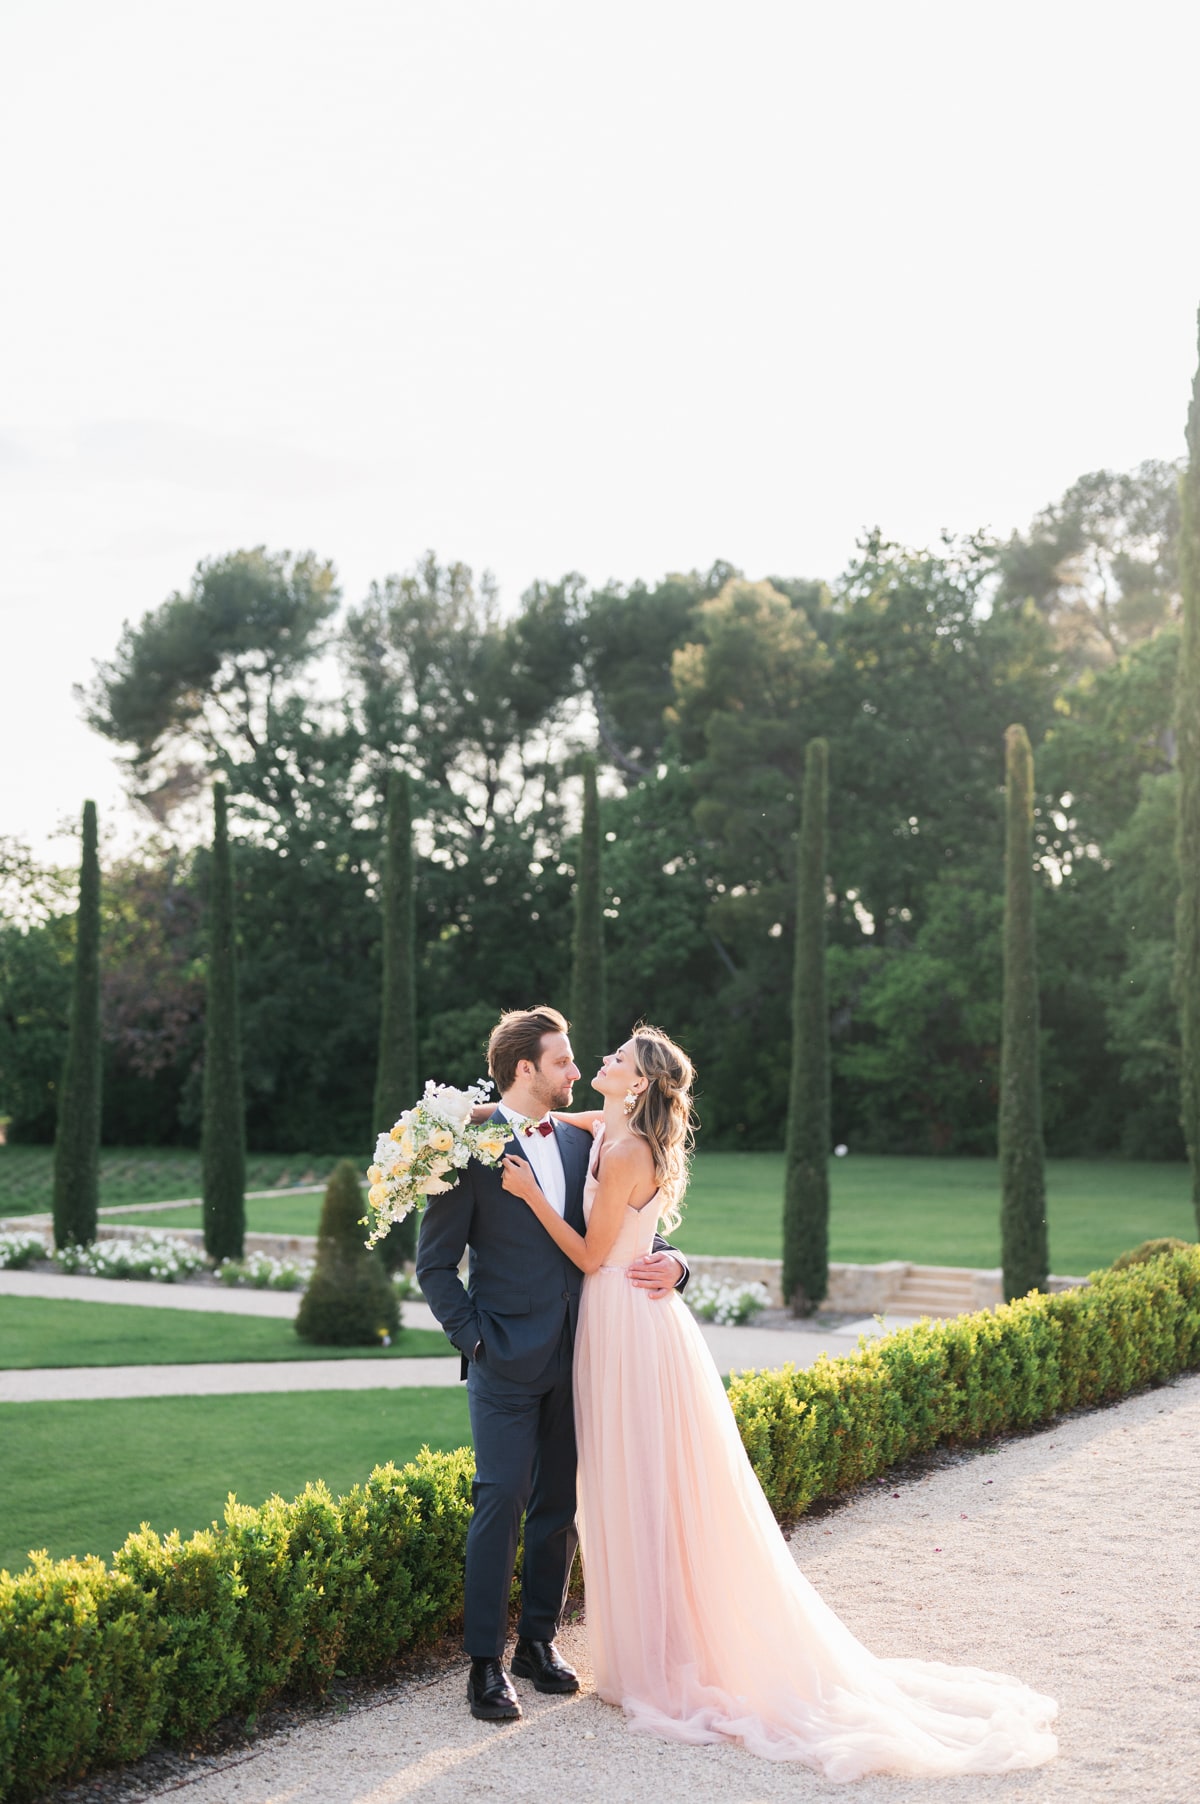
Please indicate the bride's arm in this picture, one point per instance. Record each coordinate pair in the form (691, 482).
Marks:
(580, 1118)
(620, 1173)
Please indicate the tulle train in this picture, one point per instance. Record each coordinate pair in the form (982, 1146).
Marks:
(701, 1625)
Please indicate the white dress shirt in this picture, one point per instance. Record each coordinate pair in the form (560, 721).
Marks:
(542, 1152)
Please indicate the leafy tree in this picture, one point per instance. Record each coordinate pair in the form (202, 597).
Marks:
(1023, 1237)
(37, 946)
(916, 1024)
(396, 1077)
(200, 681)
(77, 1137)
(1102, 564)
(223, 1136)
(910, 676)
(589, 1006)
(806, 1198)
(466, 700)
(152, 984)
(1111, 728)
(628, 640)
(660, 953)
(1187, 930)
(350, 1301)
(1141, 1018)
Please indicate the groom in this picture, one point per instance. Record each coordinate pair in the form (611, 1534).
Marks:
(514, 1324)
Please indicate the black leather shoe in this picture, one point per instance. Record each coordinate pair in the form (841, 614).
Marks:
(541, 1662)
(490, 1694)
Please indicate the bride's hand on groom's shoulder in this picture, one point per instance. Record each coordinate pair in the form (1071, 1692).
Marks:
(483, 1111)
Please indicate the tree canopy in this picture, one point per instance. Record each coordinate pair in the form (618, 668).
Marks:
(697, 695)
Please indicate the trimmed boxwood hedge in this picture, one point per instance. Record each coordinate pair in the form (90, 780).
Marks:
(814, 1433)
(97, 1663)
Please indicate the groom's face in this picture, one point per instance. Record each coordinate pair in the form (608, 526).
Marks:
(556, 1072)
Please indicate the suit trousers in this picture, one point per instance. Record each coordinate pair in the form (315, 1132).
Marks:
(525, 1463)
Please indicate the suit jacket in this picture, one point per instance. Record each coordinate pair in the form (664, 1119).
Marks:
(520, 1287)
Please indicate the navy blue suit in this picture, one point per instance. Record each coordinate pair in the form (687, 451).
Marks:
(520, 1305)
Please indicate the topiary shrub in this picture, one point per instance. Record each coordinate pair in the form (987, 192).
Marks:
(1149, 1249)
(349, 1301)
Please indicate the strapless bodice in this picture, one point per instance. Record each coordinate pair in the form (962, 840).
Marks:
(636, 1234)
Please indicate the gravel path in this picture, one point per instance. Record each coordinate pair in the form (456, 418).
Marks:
(1067, 1557)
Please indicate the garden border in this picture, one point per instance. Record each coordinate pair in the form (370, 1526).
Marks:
(98, 1662)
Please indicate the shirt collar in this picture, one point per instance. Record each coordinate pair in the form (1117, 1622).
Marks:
(516, 1115)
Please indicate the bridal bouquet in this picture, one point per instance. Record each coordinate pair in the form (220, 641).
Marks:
(413, 1158)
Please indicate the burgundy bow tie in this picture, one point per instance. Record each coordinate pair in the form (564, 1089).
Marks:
(540, 1127)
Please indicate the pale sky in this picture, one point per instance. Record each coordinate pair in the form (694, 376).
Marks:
(560, 284)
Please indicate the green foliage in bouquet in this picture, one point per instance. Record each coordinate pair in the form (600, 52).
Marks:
(350, 1301)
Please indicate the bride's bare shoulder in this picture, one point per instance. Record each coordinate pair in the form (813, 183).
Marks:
(627, 1157)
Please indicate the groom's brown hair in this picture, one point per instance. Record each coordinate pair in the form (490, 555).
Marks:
(518, 1035)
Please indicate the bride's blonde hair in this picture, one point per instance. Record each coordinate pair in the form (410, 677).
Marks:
(662, 1115)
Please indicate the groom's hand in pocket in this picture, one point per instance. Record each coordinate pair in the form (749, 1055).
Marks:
(656, 1273)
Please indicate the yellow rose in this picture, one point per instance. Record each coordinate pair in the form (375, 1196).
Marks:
(374, 1175)
(406, 1143)
(442, 1141)
(434, 1186)
(397, 1133)
(492, 1148)
(377, 1196)
(439, 1166)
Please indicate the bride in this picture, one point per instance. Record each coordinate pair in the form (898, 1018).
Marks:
(700, 1624)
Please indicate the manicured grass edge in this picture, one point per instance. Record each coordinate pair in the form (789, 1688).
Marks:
(97, 1663)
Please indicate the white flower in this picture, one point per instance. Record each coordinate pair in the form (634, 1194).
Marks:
(20, 1250)
(449, 1105)
(417, 1155)
(726, 1305)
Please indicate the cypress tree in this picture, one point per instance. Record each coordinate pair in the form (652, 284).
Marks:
(223, 1137)
(1023, 1238)
(589, 1008)
(77, 1131)
(396, 1077)
(349, 1301)
(1187, 918)
(806, 1193)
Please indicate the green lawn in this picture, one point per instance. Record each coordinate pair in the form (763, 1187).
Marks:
(39, 1331)
(144, 1174)
(264, 1215)
(76, 1478)
(938, 1211)
(932, 1211)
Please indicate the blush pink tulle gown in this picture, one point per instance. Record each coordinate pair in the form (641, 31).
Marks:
(700, 1624)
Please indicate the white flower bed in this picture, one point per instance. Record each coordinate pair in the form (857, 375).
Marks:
(728, 1305)
(19, 1250)
(153, 1255)
(259, 1271)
